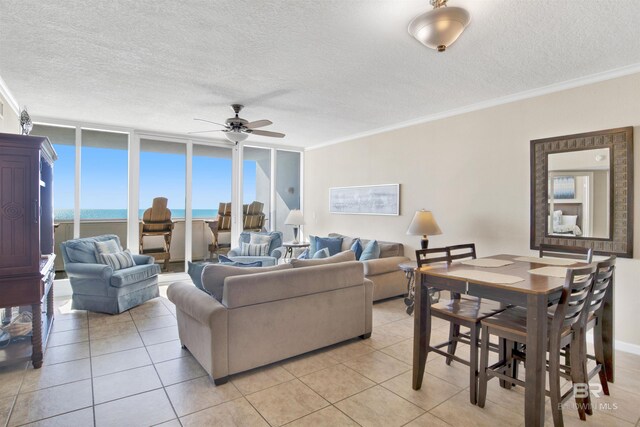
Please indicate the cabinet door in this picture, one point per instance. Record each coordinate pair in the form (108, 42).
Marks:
(19, 212)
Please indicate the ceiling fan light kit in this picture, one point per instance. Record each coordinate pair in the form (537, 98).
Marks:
(439, 27)
(236, 129)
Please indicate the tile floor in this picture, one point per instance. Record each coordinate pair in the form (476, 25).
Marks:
(130, 370)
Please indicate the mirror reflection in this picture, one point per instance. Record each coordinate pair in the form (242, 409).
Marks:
(579, 193)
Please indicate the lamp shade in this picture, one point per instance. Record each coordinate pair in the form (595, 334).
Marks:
(423, 224)
(439, 27)
(294, 218)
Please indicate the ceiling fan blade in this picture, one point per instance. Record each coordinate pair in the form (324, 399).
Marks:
(268, 133)
(258, 124)
(209, 121)
(206, 131)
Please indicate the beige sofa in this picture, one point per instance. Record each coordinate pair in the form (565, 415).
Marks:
(388, 280)
(271, 316)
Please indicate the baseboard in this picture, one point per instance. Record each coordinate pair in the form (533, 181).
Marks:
(621, 346)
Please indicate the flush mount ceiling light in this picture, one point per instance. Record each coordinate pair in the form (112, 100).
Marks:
(440, 27)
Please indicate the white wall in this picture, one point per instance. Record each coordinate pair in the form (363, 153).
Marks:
(472, 171)
(9, 120)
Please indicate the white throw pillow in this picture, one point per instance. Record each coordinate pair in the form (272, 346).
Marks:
(259, 239)
(118, 260)
(569, 220)
(248, 249)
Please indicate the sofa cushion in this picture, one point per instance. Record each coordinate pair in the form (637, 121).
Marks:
(322, 253)
(84, 250)
(241, 291)
(347, 241)
(118, 260)
(371, 251)
(344, 256)
(228, 261)
(135, 274)
(213, 275)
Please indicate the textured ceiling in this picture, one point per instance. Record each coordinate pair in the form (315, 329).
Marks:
(321, 70)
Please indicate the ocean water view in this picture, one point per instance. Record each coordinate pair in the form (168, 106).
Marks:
(102, 214)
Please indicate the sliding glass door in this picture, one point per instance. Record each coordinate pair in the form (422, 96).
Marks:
(104, 192)
(162, 176)
(211, 185)
(256, 187)
(287, 189)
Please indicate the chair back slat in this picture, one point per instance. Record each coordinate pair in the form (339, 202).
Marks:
(604, 276)
(574, 298)
(431, 256)
(464, 251)
(570, 252)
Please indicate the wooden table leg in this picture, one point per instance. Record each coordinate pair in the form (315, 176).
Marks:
(36, 336)
(536, 360)
(421, 330)
(605, 333)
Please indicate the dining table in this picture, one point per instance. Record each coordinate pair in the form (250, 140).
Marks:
(510, 279)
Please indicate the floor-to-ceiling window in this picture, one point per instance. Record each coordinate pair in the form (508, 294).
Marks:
(287, 189)
(104, 190)
(210, 186)
(64, 143)
(97, 177)
(163, 175)
(256, 180)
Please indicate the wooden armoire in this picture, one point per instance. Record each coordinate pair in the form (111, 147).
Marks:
(26, 246)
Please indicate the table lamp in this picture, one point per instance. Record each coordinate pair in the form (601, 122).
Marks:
(296, 219)
(423, 224)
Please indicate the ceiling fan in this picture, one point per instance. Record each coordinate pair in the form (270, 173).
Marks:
(237, 129)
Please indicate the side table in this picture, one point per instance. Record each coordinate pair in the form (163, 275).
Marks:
(409, 269)
(290, 246)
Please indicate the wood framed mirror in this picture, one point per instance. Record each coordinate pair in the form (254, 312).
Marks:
(582, 191)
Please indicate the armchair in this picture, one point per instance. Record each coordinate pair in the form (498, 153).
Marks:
(276, 250)
(97, 287)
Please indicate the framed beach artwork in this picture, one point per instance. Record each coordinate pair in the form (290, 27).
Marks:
(564, 187)
(365, 200)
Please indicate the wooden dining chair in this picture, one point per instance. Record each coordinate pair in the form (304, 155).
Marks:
(511, 325)
(570, 252)
(592, 318)
(462, 252)
(458, 312)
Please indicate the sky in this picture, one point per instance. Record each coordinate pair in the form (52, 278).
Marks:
(104, 179)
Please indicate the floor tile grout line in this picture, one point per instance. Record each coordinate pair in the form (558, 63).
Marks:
(93, 394)
(159, 377)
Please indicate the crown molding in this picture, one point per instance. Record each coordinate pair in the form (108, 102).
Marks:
(545, 90)
(6, 94)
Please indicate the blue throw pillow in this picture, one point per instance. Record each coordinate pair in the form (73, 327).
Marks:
(304, 255)
(312, 245)
(322, 253)
(194, 270)
(372, 251)
(334, 244)
(357, 248)
(228, 261)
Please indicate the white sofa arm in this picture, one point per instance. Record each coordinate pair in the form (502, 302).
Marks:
(383, 265)
(196, 303)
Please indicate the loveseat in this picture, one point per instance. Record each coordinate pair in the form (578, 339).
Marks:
(269, 316)
(388, 280)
